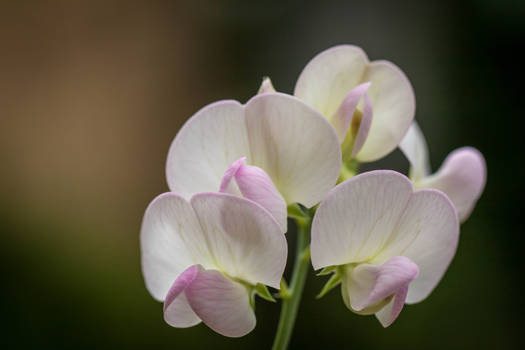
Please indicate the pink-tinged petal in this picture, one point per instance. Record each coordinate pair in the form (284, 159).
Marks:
(294, 145)
(177, 311)
(228, 183)
(243, 238)
(256, 185)
(355, 220)
(171, 239)
(253, 183)
(223, 305)
(266, 86)
(415, 149)
(205, 147)
(344, 114)
(364, 126)
(375, 216)
(394, 107)
(370, 284)
(388, 314)
(462, 178)
(329, 76)
(427, 233)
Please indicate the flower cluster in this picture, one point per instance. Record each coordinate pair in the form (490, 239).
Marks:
(237, 172)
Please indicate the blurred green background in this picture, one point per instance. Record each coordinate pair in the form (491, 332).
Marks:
(92, 94)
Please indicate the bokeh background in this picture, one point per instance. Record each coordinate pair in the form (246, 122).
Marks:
(92, 94)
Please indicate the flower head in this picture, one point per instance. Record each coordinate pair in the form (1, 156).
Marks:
(205, 257)
(370, 104)
(294, 148)
(386, 243)
(462, 176)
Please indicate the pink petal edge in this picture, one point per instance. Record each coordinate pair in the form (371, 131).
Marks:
(390, 277)
(388, 314)
(254, 184)
(177, 311)
(229, 175)
(223, 305)
(364, 127)
(342, 118)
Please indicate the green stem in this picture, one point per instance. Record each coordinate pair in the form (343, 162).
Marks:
(348, 170)
(290, 304)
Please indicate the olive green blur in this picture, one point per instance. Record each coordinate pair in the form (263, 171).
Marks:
(93, 92)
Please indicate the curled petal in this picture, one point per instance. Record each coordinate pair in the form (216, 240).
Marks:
(415, 149)
(329, 76)
(388, 314)
(394, 107)
(253, 183)
(244, 240)
(462, 178)
(369, 284)
(223, 305)
(343, 116)
(364, 126)
(256, 185)
(294, 145)
(228, 183)
(177, 311)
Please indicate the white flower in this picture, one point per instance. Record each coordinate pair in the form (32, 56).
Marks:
(205, 257)
(387, 243)
(370, 104)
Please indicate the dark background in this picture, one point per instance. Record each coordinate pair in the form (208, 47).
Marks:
(92, 94)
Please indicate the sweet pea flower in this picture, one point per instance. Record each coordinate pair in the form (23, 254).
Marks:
(385, 243)
(205, 257)
(275, 150)
(462, 176)
(370, 104)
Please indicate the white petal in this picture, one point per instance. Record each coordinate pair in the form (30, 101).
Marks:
(329, 76)
(427, 234)
(461, 177)
(294, 145)
(394, 107)
(177, 311)
(356, 218)
(223, 305)
(171, 240)
(205, 147)
(266, 86)
(243, 238)
(415, 149)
